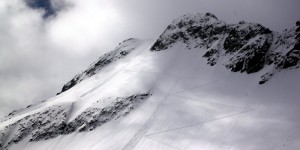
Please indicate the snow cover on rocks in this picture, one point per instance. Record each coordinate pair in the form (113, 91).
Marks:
(162, 95)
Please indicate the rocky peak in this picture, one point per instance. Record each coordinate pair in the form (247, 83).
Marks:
(202, 28)
(248, 47)
(191, 19)
(241, 33)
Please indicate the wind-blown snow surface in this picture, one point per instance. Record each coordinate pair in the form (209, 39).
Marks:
(172, 100)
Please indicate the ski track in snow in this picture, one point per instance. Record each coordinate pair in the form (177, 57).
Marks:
(142, 133)
(144, 129)
(100, 84)
(160, 142)
(200, 123)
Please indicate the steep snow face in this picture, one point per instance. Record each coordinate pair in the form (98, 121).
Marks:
(120, 52)
(162, 95)
(87, 106)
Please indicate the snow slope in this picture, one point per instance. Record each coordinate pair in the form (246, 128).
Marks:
(163, 100)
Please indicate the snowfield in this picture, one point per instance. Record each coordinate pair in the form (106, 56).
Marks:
(178, 102)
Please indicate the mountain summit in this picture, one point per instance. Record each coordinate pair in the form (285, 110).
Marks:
(249, 47)
(203, 84)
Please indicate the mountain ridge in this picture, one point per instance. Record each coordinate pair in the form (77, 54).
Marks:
(248, 45)
(111, 88)
(209, 24)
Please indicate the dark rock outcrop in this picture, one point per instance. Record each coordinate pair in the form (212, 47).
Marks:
(54, 122)
(203, 29)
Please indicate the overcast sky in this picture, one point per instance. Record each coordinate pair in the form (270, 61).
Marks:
(40, 51)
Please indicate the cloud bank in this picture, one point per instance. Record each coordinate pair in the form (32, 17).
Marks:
(38, 55)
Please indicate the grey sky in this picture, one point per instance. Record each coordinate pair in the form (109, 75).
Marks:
(38, 56)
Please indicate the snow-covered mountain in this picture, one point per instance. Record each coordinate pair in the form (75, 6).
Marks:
(203, 84)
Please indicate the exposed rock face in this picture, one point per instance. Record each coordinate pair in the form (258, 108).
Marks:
(293, 56)
(53, 121)
(249, 47)
(120, 52)
(249, 44)
(201, 29)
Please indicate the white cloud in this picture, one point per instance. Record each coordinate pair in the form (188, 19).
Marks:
(38, 56)
(83, 27)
